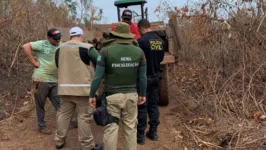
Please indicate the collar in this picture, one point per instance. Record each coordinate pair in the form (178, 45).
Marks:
(120, 41)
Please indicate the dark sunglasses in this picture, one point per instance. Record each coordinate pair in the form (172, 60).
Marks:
(57, 39)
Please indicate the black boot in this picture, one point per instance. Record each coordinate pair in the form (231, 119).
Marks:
(60, 146)
(97, 147)
(152, 134)
(140, 138)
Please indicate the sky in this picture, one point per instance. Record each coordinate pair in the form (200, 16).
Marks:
(110, 11)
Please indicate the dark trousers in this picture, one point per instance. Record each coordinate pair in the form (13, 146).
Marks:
(150, 107)
(41, 92)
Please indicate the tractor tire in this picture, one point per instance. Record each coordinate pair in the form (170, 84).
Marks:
(164, 86)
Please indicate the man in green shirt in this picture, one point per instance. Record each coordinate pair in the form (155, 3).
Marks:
(45, 73)
(121, 64)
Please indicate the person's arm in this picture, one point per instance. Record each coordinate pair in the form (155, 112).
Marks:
(142, 81)
(57, 57)
(142, 76)
(93, 55)
(28, 51)
(96, 81)
(97, 78)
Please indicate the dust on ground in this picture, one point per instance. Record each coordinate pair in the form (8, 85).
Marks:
(20, 133)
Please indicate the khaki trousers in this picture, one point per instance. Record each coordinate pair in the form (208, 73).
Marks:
(84, 116)
(124, 107)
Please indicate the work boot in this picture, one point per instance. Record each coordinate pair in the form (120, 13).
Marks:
(140, 138)
(152, 134)
(60, 146)
(45, 131)
(97, 147)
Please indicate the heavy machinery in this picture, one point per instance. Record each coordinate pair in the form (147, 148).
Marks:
(170, 37)
(125, 3)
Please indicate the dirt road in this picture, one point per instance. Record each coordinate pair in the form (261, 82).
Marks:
(20, 133)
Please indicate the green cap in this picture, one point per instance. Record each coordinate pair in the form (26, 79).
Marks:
(122, 30)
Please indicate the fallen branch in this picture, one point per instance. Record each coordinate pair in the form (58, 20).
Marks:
(14, 59)
(203, 132)
(261, 23)
(250, 82)
(197, 139)
(253, 141)
(15, 105)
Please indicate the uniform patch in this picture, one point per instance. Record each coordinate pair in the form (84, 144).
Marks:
(156, 44)
(99, 58)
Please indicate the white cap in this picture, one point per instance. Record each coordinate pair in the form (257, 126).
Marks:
(75, 31)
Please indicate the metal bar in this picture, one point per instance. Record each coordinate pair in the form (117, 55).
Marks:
(146, 13)
(118, 14)
(142, 11)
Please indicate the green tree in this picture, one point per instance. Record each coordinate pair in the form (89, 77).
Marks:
(90, 13)
(72, 6)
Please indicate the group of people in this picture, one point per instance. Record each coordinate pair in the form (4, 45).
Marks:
(70, 73)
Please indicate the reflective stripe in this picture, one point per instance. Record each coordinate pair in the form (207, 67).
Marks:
(75, 45)
(75, 85)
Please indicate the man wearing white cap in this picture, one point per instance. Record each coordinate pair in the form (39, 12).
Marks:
(74, 78)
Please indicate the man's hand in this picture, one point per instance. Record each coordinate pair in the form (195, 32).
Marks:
(92, 102)
(142, 100)
(36, 64)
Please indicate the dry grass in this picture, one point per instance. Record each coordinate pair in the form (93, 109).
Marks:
(229, 58)
(221, 71)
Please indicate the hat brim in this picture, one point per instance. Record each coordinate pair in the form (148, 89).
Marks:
(123, 35)
(75, 34)
(56, 37)
(126, 17)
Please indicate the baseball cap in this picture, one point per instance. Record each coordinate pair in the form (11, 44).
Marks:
(127, 14)
(75, 31)
(54, 33)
